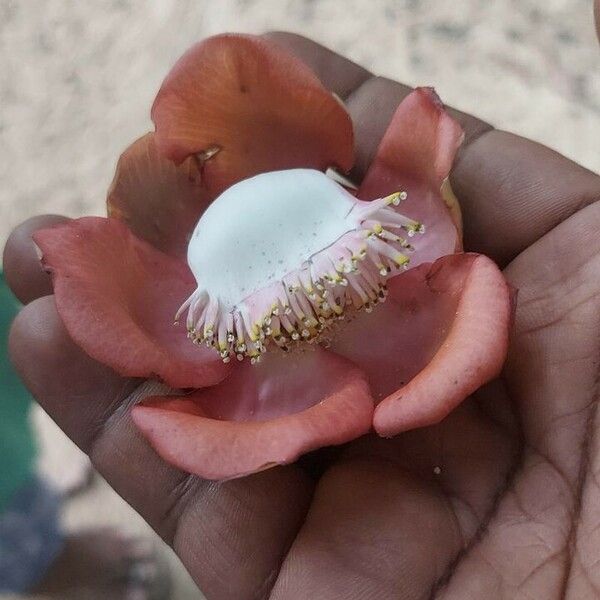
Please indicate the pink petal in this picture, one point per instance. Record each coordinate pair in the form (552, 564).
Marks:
(264, 109)
(262, 415)
(441, 334)
(117, 296)
(416, 155)
(159, 202)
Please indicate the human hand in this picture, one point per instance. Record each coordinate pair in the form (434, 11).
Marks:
(501, 499)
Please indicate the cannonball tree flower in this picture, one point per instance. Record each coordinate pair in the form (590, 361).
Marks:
(307, 313)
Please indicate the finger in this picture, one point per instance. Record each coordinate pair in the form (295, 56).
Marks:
(392, 514)
(248, 523)
(512, 190)
(372, 106)
(324, 62)
(345, 78)
(22, 267)
(373, 531)
(357, 85)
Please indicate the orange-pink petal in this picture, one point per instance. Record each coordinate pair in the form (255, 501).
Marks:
(117, 296)
(260, 107)
(415, 155)
(261, 416)
(159, 201)
(442, 333)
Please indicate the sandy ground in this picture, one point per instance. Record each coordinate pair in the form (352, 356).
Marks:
(77, 80)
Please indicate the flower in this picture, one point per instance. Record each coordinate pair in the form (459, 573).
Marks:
(241, 121)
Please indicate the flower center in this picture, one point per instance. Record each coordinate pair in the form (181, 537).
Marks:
(280, 256)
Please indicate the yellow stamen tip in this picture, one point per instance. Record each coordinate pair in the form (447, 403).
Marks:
(393, 198)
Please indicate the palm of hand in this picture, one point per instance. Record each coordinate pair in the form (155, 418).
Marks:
(501, 499)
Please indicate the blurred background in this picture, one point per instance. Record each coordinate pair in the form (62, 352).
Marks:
(77, 80)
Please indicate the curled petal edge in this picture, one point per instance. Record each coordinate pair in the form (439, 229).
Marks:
(241, 426)
(472, 354)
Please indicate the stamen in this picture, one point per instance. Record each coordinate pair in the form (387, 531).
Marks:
(357, 245)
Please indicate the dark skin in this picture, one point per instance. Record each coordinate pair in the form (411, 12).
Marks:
(500, 500)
